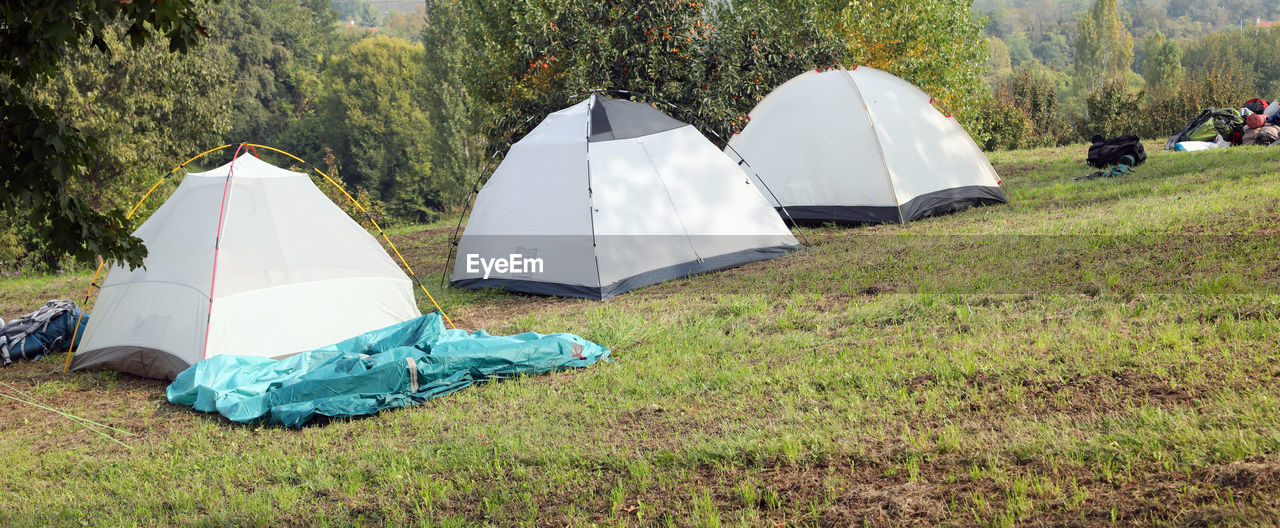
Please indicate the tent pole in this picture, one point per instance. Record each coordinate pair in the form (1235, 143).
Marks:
(466, 206)
(93, 282)
(375, 226)
(217, 245)
(475, 189)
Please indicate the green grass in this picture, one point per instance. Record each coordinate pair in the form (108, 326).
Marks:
(1094, 353)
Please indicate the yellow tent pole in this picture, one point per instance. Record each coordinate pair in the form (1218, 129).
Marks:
(375, 226)
(76, 332)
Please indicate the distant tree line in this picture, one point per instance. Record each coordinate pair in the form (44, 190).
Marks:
(1121, 72)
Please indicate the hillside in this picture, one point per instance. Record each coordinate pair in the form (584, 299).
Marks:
(1094, 353)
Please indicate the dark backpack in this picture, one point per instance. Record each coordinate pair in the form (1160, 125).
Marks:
(1123, 150)
(1256, 106)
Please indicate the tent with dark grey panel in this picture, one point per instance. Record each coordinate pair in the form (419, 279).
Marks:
(861, 146)
(607, 196)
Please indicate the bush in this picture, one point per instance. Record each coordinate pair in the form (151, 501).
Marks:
(1112, 111)
(27, 249)
(1022, 112)
(1222, 86)
(1036, 97)
(1000, 126)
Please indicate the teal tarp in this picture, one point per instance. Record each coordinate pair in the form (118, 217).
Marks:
(398, 366)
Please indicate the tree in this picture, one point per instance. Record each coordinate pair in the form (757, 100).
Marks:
(361, 12)
(1000, 64)
(145, 108)
(379, 129)
(277, 48)
(713, 63)
(1255, 51)
(44, 154)
(1104, 48)
(756, 46)
(935, 44)
(455, 147)
(408, 26)
(1162, 68)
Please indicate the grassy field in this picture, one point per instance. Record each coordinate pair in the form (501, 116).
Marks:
(1095, 353)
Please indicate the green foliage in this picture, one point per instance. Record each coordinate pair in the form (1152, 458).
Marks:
(1181, 20)
(935, 44)
(1001, 63)
(456, 147)
(715, 62)
(1006, 126)
(1034, 95)
(361, 12)
(1162, 67)
(1104, 48)
(1220, 86)
(1250, 50)
(755, 47)
(540, 55)
(1112, 111)
(145, 108)
(408, 26)
(277, 48)
(45, 153)
(378, 129)
(356, 202)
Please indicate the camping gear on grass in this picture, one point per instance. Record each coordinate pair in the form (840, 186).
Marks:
(1256, 106)
(398, 366)
(1123, 150)
(607, 196)
(1201, 128)
(245, 259)
(45, 331)
(861, 146)
(1113, 172)
(1263, 135)
(1193, 146)
(1229, 124)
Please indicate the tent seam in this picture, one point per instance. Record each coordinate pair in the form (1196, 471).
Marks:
(591, 203)
(672, 201)
(875, 133)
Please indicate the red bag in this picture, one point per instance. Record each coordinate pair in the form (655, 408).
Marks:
(1255, 121)
(1256, 106)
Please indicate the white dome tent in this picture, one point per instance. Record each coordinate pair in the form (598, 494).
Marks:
(861, 146)
(608, 196)
(245, 259)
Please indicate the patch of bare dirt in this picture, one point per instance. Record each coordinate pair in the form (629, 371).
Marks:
(906, 504)
(1263, 473)
(130, 403)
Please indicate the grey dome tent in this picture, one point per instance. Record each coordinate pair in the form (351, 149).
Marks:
(861, 146)
(607, 196)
